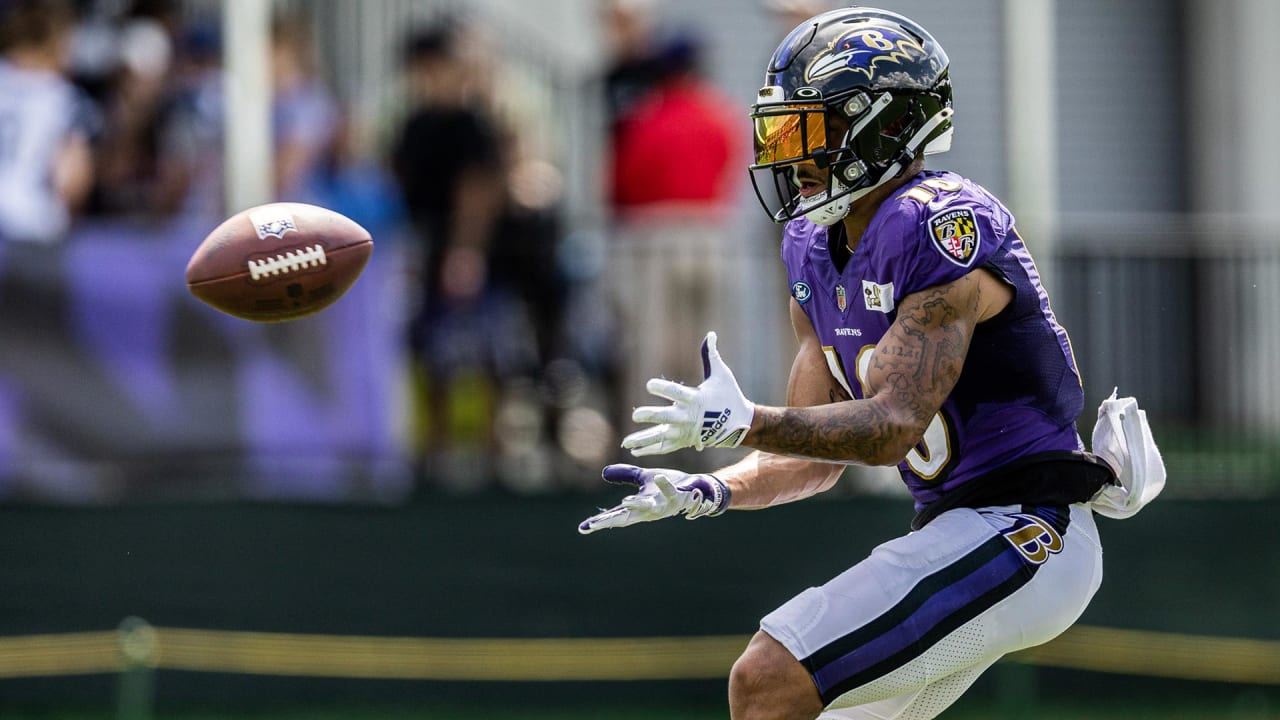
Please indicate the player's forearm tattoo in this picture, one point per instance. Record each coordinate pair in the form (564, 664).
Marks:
(853, 431)
(912, 371)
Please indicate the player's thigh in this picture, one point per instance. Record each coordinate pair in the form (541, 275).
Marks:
(920, 704)
(969, 587)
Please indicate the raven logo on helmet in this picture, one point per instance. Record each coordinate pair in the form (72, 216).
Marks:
(862, 50)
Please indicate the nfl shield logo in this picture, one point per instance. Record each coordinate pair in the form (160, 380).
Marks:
(272, 221)
(842, 300)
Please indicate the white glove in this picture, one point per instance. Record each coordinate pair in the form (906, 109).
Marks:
(714, 414)
(663, 493)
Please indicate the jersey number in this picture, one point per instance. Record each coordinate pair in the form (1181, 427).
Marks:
(927, 190)
(933, 453)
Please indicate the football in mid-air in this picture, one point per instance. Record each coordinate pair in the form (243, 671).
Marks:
(279, 261)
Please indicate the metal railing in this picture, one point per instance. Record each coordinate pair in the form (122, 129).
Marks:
(1180, 313)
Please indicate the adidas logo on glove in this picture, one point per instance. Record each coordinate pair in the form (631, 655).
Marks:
(713, 422)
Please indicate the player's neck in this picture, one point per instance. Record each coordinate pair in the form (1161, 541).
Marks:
(859, 217)
(862, 212)
(865, 208)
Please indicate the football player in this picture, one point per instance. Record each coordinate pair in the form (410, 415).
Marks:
(925, 341)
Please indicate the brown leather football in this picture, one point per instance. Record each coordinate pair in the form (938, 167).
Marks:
(279, 261)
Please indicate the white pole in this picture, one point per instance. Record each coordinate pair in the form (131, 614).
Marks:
(1031, 113)
(1233, 143)
(247, 103)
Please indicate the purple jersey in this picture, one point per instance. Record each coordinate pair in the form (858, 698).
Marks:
(1019, 392)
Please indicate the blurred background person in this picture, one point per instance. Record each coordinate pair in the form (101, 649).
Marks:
(46, 165)
(632, 68)
(155, 73)
(305, 119)
(674, 161)
(491, 363)
(447, 160)
(135, 102)
(190, 156)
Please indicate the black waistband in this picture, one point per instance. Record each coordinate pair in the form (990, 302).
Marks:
(1050, 478)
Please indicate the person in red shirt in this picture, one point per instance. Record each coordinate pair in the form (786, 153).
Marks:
(675, 157)
(676, 144)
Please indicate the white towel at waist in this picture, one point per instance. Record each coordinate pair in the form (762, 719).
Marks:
(1123, 438)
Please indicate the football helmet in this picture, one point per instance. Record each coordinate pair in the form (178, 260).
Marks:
(858, 92)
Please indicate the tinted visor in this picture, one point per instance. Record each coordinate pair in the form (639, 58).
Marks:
(789, 133)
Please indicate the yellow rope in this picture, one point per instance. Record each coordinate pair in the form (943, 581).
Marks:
(1107, 650)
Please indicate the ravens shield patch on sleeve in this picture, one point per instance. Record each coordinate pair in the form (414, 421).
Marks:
(955, 234)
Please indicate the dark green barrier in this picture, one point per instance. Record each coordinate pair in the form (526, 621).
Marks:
(510, 567)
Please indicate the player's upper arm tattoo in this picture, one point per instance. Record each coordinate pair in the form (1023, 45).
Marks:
(914, 368)
(919, 359)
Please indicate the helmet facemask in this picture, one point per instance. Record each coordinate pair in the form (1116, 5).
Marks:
(859, 139)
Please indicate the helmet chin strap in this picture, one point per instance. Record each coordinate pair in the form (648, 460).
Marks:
(832, 212)
(828, 212)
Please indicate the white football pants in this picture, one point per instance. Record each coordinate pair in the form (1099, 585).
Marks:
(902, 634)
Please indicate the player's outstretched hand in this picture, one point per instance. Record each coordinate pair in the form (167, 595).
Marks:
(713, 414)
(661, 493)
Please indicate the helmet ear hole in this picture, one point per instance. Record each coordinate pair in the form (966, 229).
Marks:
(897, 128)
